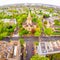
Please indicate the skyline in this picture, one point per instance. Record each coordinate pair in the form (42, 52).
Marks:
(50, 2)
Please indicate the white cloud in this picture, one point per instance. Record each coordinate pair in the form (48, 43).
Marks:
(53, 2)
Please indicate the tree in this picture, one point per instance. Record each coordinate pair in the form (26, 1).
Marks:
(46, 16)
(33, 15)
(21, 18)
(37, 31)
(48, 31)
(39, 23)
(38, 57)
(56, 22)
(6, 29)
(51, 10)
(41, 12)
(34, 19)
(56, 56)
(36, 43)
(23, 32)
(45, 22)
(21, 41)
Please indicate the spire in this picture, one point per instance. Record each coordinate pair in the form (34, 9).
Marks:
(29, 24)
(29, 17)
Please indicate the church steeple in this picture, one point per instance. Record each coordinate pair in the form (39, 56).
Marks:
(29, 25)
(29, 19)
(29, 16)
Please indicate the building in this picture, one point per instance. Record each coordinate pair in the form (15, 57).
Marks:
(10, 50)
(28, 24)
(48, 47)
(11, 21)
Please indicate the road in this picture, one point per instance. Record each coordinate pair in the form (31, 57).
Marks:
(33, 38)
(29, 43)
(29, 46)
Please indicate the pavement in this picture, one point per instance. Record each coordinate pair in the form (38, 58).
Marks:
(29, 46)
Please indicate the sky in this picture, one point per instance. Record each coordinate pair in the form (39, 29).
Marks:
(7, 2)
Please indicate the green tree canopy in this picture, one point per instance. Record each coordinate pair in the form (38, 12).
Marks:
(56, 22)
(48, 31)
(38, 57)
(21, 41)
(6, 29)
